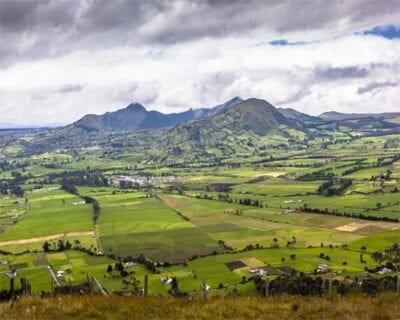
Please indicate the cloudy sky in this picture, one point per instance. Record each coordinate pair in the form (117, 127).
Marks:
(61, 59)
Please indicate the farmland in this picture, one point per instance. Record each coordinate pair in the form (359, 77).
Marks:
(189, 159)
(83, 212)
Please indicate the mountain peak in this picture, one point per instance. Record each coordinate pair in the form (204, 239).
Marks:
(136, 107)
(235, 99)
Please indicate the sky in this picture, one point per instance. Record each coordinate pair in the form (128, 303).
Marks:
(62, 59)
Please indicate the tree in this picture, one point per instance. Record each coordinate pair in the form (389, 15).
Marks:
(363, 249)
(61, 246)
(96, 211)
(46, 247)
(174, 291)
(370, 286)
(109, 269)
(377, 256)
(68, 245)
(118, 267)
(17, 190)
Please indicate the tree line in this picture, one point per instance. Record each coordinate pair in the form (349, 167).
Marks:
(328, 187)
(362, 216)
(306, 285)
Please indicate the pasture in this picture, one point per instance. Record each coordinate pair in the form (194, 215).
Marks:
(199, 217)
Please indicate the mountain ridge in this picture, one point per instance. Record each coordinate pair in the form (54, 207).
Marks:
(339, 116)
(135, 117)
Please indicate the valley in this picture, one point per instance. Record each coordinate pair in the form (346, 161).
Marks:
(242, 192)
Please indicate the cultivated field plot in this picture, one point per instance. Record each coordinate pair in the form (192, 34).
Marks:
(52, 213)
(11, 210)
(278, 187)
(131, 225)
(259, 226)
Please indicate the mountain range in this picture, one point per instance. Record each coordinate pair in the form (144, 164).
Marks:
(256, 115)
(233, 127)
(135, 117)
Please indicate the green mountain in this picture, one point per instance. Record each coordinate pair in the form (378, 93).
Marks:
(235, 130)
(132, 118)
(255, 115)
(366, 124)
(135, 118)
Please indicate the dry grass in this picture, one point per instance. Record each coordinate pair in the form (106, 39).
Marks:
(384, 306)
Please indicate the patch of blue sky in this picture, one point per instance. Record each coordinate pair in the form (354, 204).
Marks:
(389, 31)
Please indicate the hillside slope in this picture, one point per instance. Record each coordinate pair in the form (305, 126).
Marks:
(255, 115)
(298, 116)
(235, 129)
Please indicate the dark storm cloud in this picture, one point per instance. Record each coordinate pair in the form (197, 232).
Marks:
(376, 85)
(35, 15)
(42, 28)
(70, 87)
(16, 15)
(329, 73)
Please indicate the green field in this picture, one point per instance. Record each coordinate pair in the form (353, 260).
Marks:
(190, 219)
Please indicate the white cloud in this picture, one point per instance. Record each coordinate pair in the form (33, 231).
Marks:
(201, 73)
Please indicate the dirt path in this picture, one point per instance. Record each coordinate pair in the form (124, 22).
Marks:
(47, 238)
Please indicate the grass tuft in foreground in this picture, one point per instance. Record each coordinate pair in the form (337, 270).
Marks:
(383, 306)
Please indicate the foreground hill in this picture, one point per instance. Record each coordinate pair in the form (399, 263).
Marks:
(383, 306)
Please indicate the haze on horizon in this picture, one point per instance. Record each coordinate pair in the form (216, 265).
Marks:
(62, 59)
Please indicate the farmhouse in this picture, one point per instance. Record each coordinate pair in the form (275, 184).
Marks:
(166, 280)
(77, 203)
(136, 181)
(259, 272)
(322, 268)
(384, 271)
(60, 273)
(129, 264)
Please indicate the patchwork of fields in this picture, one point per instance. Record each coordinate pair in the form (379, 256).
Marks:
(195, 222)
